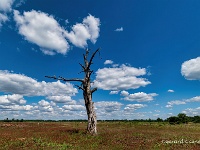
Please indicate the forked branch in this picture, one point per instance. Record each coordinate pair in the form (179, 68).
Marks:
(90, 62)
(64, 79)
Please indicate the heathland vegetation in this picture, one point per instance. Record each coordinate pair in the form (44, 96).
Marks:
(175, 132)
(112, 135)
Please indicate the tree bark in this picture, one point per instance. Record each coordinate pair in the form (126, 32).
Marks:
(92, 120)
(87, 94)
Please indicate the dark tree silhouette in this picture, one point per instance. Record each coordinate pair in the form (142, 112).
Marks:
(87, 90)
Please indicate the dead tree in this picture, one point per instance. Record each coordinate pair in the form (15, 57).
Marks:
(87, 90)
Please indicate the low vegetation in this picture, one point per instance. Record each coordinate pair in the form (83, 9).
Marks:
(112, 135)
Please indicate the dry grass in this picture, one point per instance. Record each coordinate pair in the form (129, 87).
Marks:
(112, 136)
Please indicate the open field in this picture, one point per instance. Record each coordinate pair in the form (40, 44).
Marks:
(112, 136)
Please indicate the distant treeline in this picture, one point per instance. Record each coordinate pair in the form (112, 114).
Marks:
(180, 118)
(183, 118)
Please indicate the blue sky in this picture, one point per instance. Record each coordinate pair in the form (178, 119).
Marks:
(148, 67)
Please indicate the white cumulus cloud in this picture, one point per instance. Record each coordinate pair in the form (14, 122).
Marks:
(182, 102)
(45, 106)
(170, 91)
(5, 5)
(16, 108)
(194, 99)
(62, 99)
(133, 107)
(108, 106)
(139, 97)
(74, 107)
(192, 111)
(120, 78)
(119, 29)
(108, 62)
(42, 29)
(114, 92)
(175, 102)
(12, 99)
(124, 93)
(81, 32)
(24, 85)
(191, 69)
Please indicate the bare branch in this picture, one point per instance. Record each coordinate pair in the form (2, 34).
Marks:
(73, 79)
(79, 87)
(90, 73)
(53, 77)
(93, 90)
(92, 57)
(64, 79)
(85, 58)
(82, 66)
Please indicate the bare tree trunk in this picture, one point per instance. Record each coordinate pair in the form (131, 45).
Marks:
(92, 121)
(87, 91)
(87, 94)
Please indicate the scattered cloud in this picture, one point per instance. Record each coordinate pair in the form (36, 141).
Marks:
(124, 93)
(92, 24)
(66, 21)
(5, 5)
(108, 106)
(14, 102)
(16, 108)
(61, 99)
(139, 97)
(18, 86)
(176, 102)
(157, 111)
(19, 3)
(156, 115)
(192, 111)
(191, 69)
(12, 99)
(194, 99)
(114, 92)
(24, 85)
(42, 109)
(57, 101)
(170, 91)
(120, 78)
(74, 107)
(43, 103)
(50, 36)
(45, 106)
(3, 19)
(108, 62)
(119, 29)
(81, 32)
(42, 29)
(133, 107)
(170, 104)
